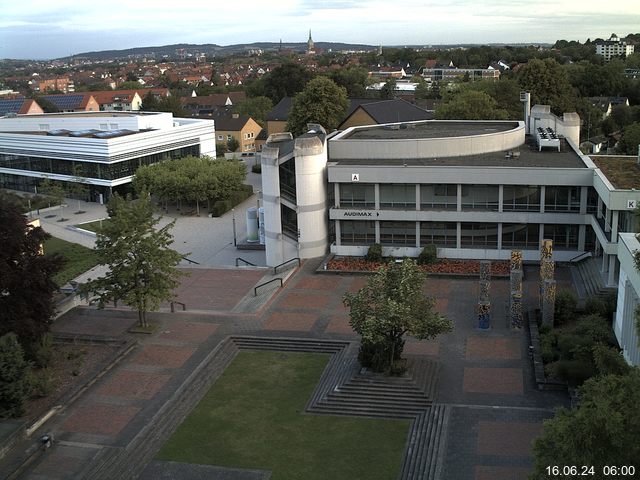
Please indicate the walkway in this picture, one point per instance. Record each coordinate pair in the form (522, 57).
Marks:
(485, 379)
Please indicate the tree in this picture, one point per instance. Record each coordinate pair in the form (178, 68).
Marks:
(602, 430)
(142, 268)
(630, 140)
(353, 78)
(470, 105)
(14, 386)
(26, 278)
(548, 83)
(389, 306)
(256, 108)
(55, 190)
(233, 144)
(388, 90)
(285, 81)
(47, 105)
(322, 101)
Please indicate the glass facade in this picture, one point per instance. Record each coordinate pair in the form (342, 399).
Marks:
(520, 235)
(479, 235)
(357, 233)
(357, 195)
(398, 233)
(480, 197)
(562, 199)
(287, 173)
(97, 170)
(438, 197)
(441, 234)
(398, 195)
(518, 198)
(565, 237)
(289, 222)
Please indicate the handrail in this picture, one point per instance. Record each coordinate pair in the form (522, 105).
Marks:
(184, 257)
(275, 269)
(245, 261)
(184, 306)
(583, 254)
(255, 290)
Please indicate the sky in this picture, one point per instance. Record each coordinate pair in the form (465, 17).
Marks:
(45, 29)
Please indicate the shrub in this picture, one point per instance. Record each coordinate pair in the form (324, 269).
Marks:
(256, 168)
(220, 207)
(14, 387)
(603, 306)
(609, 360)
(43, 350)
(428, 255)
(574, 372)
(565, 307)
(374, 254)
(40, 382)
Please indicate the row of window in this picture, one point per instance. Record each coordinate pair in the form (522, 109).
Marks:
(104, 171)
(444, 234)
(473, 197)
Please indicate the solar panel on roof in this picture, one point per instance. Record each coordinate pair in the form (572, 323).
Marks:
(10, 106)
(65, 102)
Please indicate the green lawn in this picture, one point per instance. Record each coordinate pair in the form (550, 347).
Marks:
(253, 417)
(93, 226)
(79, 258)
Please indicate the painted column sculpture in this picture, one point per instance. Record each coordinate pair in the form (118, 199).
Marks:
(547, 282)
(515, 298)
(484, 304)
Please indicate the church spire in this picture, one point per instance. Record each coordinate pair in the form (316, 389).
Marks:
(310, 45)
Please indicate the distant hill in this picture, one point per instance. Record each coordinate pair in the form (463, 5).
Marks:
(211, 49)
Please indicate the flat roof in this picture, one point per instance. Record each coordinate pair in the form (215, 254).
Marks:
(622, 172)
(526, 156)
(101, 113)
(429, 129)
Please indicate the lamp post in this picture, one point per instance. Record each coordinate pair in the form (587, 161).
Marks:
(233, 219)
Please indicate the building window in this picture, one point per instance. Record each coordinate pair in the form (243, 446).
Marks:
(357, 195)
(220, 137)
(439, 197)
(44, 127)
(592, 200)
(103, 126)
(398, 233)
(480, 197)
(287, 175)
(440, 234)
(565, 237)
(562, 199)
(398, 195)
(520, 235)
(521, 198)
(479, 235)
(353, 232)
(228, 137)
(289, 222)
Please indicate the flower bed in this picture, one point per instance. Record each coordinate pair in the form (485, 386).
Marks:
(442, 267)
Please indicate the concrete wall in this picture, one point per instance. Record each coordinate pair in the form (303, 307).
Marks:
(624, 324)
(271, 201)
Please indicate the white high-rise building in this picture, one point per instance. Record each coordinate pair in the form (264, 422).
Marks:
(614, 47)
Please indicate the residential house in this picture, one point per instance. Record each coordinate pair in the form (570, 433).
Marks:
(243, 128)
(74, 102)
(375, 112)
(62, 84)
(606, 104)
(118, 100)
(212, 105)
(614, 47)
(19, 106)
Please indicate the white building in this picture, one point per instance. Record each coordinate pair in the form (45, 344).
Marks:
(108, 146)
(614, 47)
(624, 324)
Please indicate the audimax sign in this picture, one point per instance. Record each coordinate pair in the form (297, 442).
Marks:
(360, 213)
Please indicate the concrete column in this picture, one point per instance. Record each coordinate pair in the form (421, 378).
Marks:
(338, 233)
(376, 193)
(614, 226)
(611, 279)
(418, 197)
(584, 192)
(500, 199)
(543, 193)
(582, 233)
(605, 262)
(541, 234)
(271, 201)
(459, 198)
(458, 235)
(607, 221)
(336, 194)
(417, 234)
(499, 236)
(377, 231)
(599, 212)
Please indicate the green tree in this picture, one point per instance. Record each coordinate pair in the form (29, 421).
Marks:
(388, 90)
(256, 108)
(548, 83)
(602, 430)
(353, 78)
(142, 269)
(54, 189)
(233, 144)
(285, 81)
(470, 105)
(14, 387)
(389, 306)
(322, 102)
(26, 278)
(630, 140)
(47, 105)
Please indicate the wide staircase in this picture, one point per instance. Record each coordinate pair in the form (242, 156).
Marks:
(592, 279)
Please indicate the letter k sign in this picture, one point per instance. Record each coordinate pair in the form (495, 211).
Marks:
(355, 177)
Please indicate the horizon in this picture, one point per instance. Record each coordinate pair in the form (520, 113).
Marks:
(36, 30)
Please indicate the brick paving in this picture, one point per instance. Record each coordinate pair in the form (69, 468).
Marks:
(493, 380)
(496, 409)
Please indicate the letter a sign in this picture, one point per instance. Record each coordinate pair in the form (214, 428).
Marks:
(355, 177)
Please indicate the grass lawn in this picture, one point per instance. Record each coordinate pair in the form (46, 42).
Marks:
(92, 226)
(79, 258)
(253, 417)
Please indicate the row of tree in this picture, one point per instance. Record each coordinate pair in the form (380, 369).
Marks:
(191, 179)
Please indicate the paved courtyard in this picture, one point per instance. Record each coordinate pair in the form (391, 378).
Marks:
(486, 377)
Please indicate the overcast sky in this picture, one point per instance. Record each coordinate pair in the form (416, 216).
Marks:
(44, 29)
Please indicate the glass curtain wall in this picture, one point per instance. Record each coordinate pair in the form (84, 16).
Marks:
(438, 197)
(521, 198)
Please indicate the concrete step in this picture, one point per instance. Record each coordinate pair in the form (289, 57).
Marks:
(366, 411)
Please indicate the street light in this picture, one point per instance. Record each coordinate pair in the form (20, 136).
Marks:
(233, 219)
